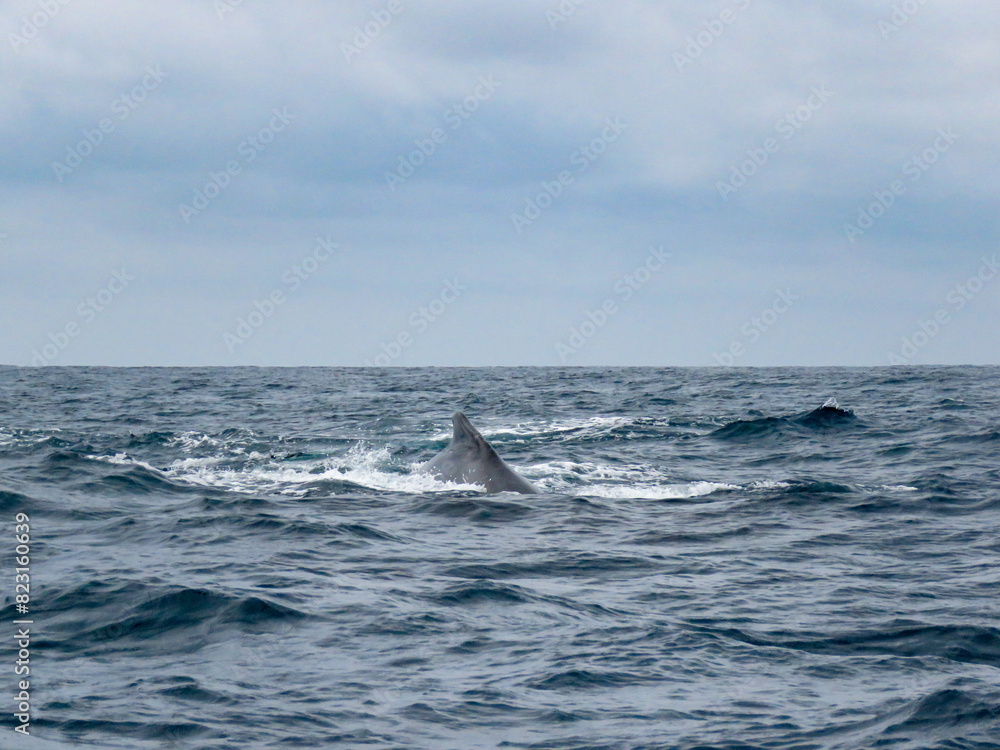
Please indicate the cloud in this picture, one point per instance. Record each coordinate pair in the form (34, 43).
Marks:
(701, 87)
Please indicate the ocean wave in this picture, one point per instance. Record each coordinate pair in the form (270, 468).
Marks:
(147, 439)
(139, 479)
(561, 564)
(476, 508)
(101, 615)
(949, 708)
(275, 584)
(586, 679)
(970, 644)
(828, 417)
(989, 435)
(158, 731)
(482, 592)
(10, 501)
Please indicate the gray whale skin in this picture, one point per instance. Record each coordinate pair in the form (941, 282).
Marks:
(469, 459)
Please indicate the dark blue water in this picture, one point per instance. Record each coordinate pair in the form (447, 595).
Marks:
(245, 558)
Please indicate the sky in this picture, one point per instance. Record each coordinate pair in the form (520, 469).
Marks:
(526, 182)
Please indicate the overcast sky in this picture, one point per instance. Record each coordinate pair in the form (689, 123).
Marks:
(462, 182)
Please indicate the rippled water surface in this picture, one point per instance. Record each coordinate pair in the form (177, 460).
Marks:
(247, 558)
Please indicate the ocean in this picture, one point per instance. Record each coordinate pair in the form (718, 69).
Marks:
(718, 558)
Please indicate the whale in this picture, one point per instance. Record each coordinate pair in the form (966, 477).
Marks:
(470, 459)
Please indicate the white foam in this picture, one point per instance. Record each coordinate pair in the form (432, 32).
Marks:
(591, 472)
(363, 465)
(189, 441)
(193, 463)
(625, 481)
(18, 436)
(292, 481)
(766, 484)
(657, 492)
(374, 467)
(123, 459)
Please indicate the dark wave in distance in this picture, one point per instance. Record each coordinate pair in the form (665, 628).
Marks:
(250, 557)
(819, 419)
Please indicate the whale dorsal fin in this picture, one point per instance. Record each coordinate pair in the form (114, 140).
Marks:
(465, 434)
(469, 458)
